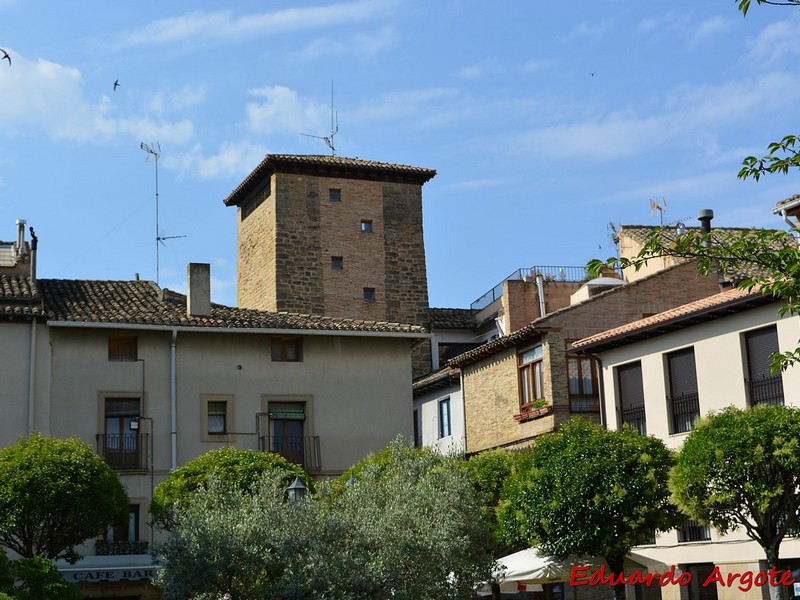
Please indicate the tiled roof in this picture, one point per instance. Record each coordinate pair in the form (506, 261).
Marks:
(442, 378)
(328, 166)
(507, 341)
(18, 298)
(719, 305)
(453, 318)
(719, 235)
(144, 303)
(791, 201)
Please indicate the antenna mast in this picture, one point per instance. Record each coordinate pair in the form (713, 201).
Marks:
(334, 128)
(153, 152)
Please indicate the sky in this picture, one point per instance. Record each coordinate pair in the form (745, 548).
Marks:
(549, 123)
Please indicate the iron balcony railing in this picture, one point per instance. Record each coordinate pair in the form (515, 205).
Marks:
(105, 548)
(767, 389)
(548, 273)
(124, 451)
(692, 531)
(685, 409)
(634, 416)
(301, 450)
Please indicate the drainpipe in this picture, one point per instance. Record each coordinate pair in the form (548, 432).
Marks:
(601, 390)
(173, 416)
(32, 377)
(792, 226)
(540, 291)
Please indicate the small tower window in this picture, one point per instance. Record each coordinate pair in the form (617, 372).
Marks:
(366, 226)
(337, 263)
(369, 294)
(335, 195)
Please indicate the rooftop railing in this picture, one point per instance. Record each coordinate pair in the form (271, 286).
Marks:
(550, 273)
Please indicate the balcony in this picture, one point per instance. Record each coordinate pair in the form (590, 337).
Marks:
(104, 548)
(685, 409)
(767, 389)
(548, 273)
(634, 416)
(124, 451)
(692, 531)
(301, 450)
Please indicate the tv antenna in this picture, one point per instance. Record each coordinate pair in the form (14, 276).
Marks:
(661, 208)
(334, 128)
(153, 152)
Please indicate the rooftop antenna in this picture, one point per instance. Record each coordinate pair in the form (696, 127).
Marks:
(153, 152)
(661, 208)
(334, 128)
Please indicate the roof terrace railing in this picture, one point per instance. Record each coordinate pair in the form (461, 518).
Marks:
(548, 273)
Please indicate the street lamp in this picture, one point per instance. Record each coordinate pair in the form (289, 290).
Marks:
(297, 491)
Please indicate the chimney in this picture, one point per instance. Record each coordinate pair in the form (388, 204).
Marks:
(198, 290)
(20, 237)
(34, 246)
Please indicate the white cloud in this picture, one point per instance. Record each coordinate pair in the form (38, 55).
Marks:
(587, 29)
(205, 26)
(364, 45)
(775, 41)
(233, 159)
(284, 111)
(49, 97)
(710, 28)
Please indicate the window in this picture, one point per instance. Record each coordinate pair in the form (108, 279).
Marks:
(763, 386)
(337, 263)
(366, 226)
(287, 349)
(120, 443)
(369, 294)
(124, 539)
(531, 376)
(631, 396)
(693, 531)
(286, 438)
(217, 418)
(683, 400)
(122, 348)
(582, 375)
(335, 195)
(444, 417)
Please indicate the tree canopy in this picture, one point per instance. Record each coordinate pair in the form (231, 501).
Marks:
(236, 468)
(741, 468)
(54, 494)
(590, 492)
(410, 527)
(34, 579)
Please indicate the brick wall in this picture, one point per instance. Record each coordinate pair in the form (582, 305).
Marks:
(491, 387)
(255, 273)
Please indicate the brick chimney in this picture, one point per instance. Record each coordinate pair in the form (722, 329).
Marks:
(198, 290)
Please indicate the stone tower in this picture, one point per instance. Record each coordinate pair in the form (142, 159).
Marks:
(333, 236)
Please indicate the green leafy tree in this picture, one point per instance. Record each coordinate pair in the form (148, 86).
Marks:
(590, 492)
(236, 468)
(410, 527)
(34, 579)
(54, 494)
(744, 5)
(741, 468)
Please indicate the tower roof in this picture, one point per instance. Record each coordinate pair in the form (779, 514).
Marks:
(326, 166)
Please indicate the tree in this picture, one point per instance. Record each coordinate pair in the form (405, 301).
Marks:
(744, 5)
(741, 468)
(34, 579)
(54, 494)
(590, 492)
(410, 527)
(236, 468)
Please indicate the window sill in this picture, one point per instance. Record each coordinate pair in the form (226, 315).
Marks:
(533, 413)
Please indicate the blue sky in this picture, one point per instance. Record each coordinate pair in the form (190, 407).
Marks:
(546, 122)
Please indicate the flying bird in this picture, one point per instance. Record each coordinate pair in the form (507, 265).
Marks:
(5, 56)
(116, 85)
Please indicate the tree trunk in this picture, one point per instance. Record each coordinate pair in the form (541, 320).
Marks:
(615, 563)
(775, 591)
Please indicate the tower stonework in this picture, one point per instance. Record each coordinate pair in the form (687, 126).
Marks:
(334, 236)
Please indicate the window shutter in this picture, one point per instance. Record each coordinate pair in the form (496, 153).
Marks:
(631, 388)
(760, 344)
(682, 372)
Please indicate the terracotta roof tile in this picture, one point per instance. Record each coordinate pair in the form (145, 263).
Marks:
(18, 298)
(144, 303)
(327, 165)
(724, 303)
(453, 318)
